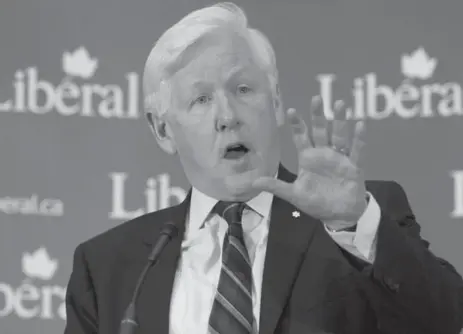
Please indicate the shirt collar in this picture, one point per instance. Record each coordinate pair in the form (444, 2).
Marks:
(201, 205)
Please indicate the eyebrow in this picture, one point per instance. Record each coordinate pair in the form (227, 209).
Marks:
(247, 70)
(235, 71)
(196, 84)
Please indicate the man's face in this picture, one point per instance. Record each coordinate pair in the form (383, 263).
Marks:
(223, 119)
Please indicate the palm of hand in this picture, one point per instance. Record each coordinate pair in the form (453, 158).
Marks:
(325, 178)
(330, 185)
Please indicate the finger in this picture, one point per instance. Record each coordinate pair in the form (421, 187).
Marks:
(318, 122)
(342, 128)
(358, 143)
(299, 130)
(275, 186)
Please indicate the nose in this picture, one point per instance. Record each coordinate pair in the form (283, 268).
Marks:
(227, 118)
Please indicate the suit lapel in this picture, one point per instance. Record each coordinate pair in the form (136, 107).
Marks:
(291, 233)
(154, 301)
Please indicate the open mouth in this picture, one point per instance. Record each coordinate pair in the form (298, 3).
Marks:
(235, 151)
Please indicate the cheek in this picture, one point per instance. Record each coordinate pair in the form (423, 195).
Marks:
(263, 120)
(187, 126)
(197, 141)
(265, 134)
(268, 109)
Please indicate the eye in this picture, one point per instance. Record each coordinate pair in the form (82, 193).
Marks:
(243, 89)
(202, 99)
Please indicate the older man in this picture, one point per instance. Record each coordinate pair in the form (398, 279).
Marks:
(260, 250)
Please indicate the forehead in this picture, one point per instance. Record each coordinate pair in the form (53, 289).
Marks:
(215, 56)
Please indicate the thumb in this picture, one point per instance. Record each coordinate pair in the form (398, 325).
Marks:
(276, 187)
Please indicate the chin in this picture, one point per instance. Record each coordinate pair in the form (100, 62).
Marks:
(241, 193)
(243, 173)
(239, 185)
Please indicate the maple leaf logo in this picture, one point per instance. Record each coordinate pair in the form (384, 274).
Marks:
(418, 64)
(79, 63)
(39, 264)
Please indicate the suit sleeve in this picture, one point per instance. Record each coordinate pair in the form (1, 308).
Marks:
(81, 310)
(412, 288)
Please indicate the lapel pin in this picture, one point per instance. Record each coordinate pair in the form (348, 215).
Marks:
(296, 214)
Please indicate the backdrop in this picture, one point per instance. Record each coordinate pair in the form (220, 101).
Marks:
(77, 157)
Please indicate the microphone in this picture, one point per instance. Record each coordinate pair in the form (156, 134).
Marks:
(129, 322)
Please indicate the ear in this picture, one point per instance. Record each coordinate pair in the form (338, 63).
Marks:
(162, 132)
(278, 106)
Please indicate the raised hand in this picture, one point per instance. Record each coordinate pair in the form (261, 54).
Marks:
(330, 184)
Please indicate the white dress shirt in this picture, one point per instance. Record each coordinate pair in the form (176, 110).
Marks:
(200, 264)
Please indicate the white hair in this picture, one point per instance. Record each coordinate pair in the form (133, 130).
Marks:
(166, 55)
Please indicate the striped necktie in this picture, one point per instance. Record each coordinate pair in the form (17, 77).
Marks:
(232, 308)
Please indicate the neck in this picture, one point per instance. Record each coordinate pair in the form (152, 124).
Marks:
(230, 190)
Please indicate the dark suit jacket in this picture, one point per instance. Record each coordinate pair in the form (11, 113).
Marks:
(310, 284)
